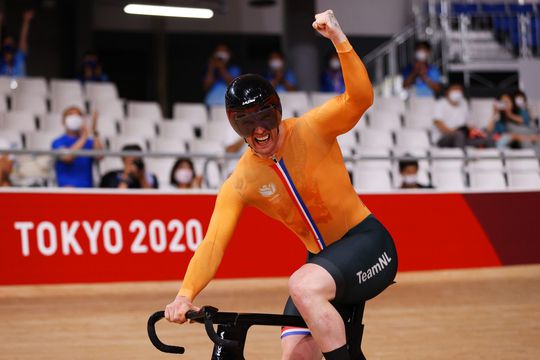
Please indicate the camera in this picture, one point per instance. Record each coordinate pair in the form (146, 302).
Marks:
(139, 164)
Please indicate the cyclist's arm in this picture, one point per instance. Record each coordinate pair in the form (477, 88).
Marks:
(204, 264)
(341, 113)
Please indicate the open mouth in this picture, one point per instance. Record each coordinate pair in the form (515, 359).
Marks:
(262, 139)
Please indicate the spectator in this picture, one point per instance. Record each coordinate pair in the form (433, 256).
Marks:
(13, 62)
(183, 175)
(423, 77)
(132, 176)
(73, 170)
(6, 164)
(408, 169)
(218, 75)
(92, 69)
(281, 79)
(332, 77)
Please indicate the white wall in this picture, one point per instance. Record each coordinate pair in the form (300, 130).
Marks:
(369, 17)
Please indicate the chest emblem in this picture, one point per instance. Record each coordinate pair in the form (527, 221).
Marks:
(267, 190)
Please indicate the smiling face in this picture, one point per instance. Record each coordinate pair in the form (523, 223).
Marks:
(263, 142)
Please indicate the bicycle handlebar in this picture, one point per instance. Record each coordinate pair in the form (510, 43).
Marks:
(151, 327)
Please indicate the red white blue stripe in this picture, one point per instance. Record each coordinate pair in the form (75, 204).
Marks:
(279, 167)
(287, 331)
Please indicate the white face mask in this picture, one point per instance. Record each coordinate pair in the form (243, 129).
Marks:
(276, 64)
(335, 64)
(520, 102)
(183, 176)
(222, 55)
(409, 179)
(455, 96)
(421, 55)
(74, 122)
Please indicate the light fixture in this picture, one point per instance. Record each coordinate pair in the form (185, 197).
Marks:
(173, 11)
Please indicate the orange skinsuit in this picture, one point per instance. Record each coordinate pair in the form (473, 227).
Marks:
(315, 164)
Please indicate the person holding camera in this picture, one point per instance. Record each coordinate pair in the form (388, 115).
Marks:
(219, 75)
(132, 176)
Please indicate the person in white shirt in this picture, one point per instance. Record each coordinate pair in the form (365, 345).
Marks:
(450, 118)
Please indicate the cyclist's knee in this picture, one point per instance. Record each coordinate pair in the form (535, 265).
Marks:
(311, 283)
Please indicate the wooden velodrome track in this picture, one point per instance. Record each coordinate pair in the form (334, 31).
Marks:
(463, 314)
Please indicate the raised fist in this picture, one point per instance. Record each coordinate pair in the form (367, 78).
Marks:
(327, 25)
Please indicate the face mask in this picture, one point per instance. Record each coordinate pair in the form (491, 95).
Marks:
(276, 64)
(520, 102)
(455, 96)
(74, 122)
(222, 55)
(421, 55)
(409, 179)
(335, 64)
(183, 176)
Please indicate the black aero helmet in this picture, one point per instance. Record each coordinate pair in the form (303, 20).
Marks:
(251, 101)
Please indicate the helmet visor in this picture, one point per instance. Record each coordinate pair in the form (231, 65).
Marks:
(245, 123)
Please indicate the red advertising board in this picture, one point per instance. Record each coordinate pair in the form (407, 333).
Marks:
(68, 237)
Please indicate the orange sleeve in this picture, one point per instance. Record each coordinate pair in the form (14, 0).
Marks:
(341, 113)
(205, 262)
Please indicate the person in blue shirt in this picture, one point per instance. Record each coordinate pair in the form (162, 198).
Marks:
(13, 60)
(72, 170)
(281, 79)
(422, 78)
(332, 77)
(92, 69)
(218, 76)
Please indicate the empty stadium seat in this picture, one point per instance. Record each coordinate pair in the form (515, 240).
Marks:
(62, 102)
(3, 104)
(389, 104)
(521, 165)
(421, 105)
(418, 120)
(110, 163)
(381, 119)
(383, 163)
(485, 159)
(371, 180)
(20, 121)
(51, 122)
(144, 109)
(218, 113)
(296, 102)
(117, 142)
(176, 130)
(376, 138)
(66, 88)
(220, 132)
(109, 107)
(524, 180)
(412, 139)
(138, 127)
(107, 126)
(100, 90)
(33, 85)
(5, 85)
(14, 137)
(319, 98)
(487, 180)
(41, 140)
(207, 147)
(195, 113)
(348, 143)
(28, 102)
(168, 145)
(447, 179)
(447, 159)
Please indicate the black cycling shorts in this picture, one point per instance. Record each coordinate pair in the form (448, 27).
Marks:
(363, 263)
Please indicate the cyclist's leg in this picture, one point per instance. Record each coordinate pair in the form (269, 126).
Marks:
(297, 343)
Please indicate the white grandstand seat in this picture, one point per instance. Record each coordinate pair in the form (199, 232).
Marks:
(107, 126)
(376, 138)
(110, 163)
(145, 128)
(117, 142)
(421, 105)
(221, 132)
(524, 180)
(381, 119)
(211, 170)
(319, 98)
(365, 164)
(448, 179)
(195, 113)
(361, 124)
(494, 162)
(481, 112)
(423, 164)
(109, 107)
(161, 167)
(176, 130)
(296, 102)
(50, 122)
(206, 147)
(100, 90)
(372, 179)
(418, 120)
(390, 104)
(40, 140)
(144, 109)
(521, 165)
(29, 102)
(32, 85)
(66, 88)
(14, 137)
(487, 180)
(3, 103)
(447, 159)
(20, 121)
(5, 85)
(60, 103)
(168, 145)
(348, 142)
(218, 113)
(412, 139)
